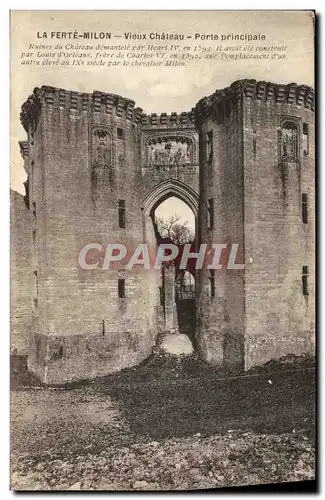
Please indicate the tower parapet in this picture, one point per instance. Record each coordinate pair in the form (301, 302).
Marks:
(74, 102)
(185, 119)
(218, 103)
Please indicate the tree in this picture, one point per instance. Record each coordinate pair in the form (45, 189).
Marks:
(179, 232)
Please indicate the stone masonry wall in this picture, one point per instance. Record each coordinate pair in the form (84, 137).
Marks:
(220, 313)
(267, 313)
(279, 319)
(88, 330)
(20, 276)
(240, 156)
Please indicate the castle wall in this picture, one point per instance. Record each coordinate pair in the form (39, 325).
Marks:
(240, 160)
(220, 312)
(257, 177)
(87, 329)
(279, 319)
(20, 275)
(39, 244)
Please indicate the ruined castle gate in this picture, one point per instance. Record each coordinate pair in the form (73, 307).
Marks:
(167, 314)
(169, 158)
(242, 159)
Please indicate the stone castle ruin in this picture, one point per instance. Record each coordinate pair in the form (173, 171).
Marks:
(242, 159)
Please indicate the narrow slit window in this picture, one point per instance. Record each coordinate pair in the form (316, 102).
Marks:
(34, 209)
(305, 280)
(121, 288)
(304, 208)
(34, 236)
(36, 289)
(209, 145)
(162, 295)
(305, 138)
(212, 282)
(121, 213)
(210, 212)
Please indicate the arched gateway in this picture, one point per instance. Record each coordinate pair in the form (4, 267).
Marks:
(167, 188)
(175, 315)
(97, 168)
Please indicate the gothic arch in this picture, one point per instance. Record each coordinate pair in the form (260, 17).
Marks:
(167, 188)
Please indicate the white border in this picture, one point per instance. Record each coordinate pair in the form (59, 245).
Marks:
(5, 163)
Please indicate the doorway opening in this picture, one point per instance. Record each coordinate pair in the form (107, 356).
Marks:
(185, 303)
(174, 222)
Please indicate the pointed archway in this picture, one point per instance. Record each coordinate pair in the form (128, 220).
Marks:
(167, 188)
(171, 312)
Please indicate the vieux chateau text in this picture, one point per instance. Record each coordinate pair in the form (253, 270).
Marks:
(102, 35)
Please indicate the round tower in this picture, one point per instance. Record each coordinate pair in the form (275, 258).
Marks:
(85, 189)
(257, 193)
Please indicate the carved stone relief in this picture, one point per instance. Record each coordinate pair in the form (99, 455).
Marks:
(101, 148)
(169, 149)
(289, 140)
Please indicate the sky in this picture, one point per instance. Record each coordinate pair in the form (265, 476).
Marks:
(157, 90)
(174, 206)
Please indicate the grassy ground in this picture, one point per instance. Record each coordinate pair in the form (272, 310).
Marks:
(168, 424)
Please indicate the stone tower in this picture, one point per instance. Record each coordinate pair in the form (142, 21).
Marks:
(242, 159)
(85, 187)
(257, 172)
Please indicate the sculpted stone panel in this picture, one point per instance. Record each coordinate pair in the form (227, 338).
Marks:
(289, 140)
(167, 152)
(101, 148)
(169, 149)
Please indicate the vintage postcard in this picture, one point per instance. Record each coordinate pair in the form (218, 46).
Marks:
(162, 250)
